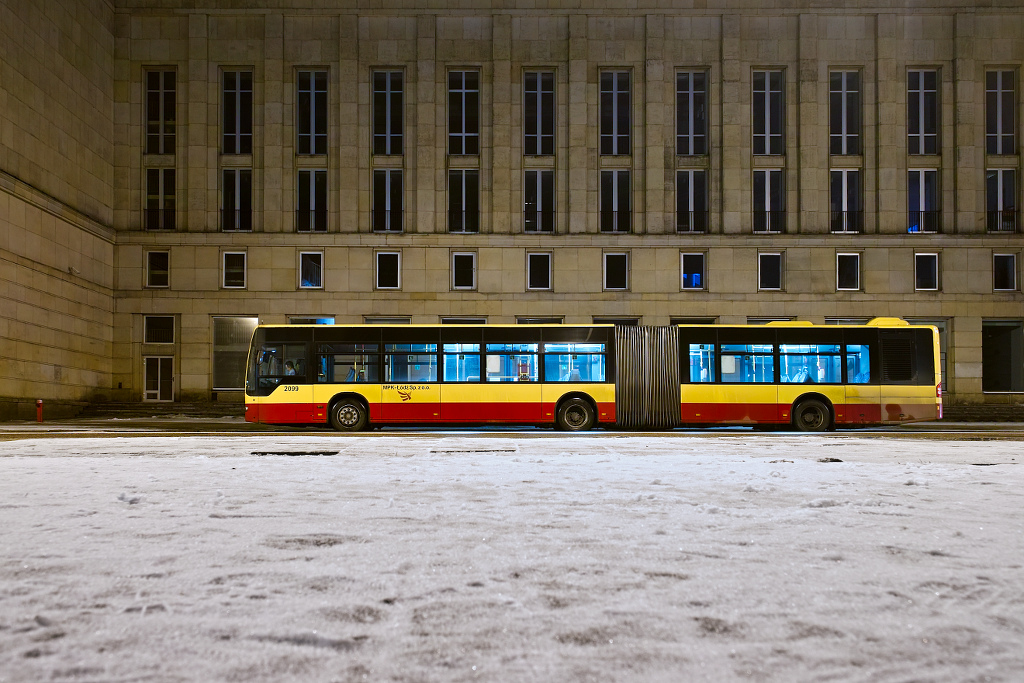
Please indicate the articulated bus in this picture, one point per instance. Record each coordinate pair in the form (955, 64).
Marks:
(575, 377)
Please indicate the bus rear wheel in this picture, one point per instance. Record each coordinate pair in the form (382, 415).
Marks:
(575, 415)
(348, 415)
(811, 415)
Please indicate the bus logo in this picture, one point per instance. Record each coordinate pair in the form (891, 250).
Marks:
(405, 395)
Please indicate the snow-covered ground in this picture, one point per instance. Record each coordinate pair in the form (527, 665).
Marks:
(476, 558)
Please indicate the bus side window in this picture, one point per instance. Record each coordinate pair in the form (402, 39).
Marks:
(574, 362)
(512, 362)
(461, 362)
(813, 363)
(858, 364)
(410, 362)
(753, 363)
(702, 363)
(343, 362)
(574, 367)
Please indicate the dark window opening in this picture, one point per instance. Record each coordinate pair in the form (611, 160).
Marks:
(538, 271)
(464, 271)
(160, 112)
(312, 112)
(464, 201)
(158, 269)
(615, 113)
(691, 113)
(159, 329)
(848, 271)
(693, 271)
(539, 113)
(616, 271)
(464, 112)
(387, 112)
(539, 201)
(236, 200)
(615, 201)
(769, 271)
(1002, 356)
(388, 270)
(768, 105)
(387, 200)
(237, 112)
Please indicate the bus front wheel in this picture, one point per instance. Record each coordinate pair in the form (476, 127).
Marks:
(575, 415)
(811, 415)
(348, 415)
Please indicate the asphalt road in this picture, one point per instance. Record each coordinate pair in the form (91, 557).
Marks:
(234, 426)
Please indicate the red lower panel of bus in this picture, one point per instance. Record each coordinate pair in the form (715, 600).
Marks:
(743, 413)
(772, 413)
(394, 413)
(866, 413)
(520, 413)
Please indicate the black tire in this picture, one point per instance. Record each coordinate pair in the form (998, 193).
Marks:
(575, 415)
(811, 415)
(348, 415)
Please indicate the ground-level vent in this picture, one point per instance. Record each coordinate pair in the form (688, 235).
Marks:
(647, 376)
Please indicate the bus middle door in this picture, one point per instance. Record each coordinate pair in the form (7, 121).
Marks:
(411, 393)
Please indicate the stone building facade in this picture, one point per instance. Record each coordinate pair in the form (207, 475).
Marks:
(172, 171)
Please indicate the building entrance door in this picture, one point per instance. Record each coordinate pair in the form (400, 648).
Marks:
(159, 378)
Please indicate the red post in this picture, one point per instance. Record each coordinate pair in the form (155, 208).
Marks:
(39, 410)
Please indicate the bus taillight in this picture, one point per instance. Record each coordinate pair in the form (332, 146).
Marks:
(938, 390)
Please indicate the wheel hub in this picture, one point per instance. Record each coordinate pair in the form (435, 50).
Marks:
(348, 416)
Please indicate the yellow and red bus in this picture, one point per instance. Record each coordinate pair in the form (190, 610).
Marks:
(354, 375)
(813, 377)
(576, 377)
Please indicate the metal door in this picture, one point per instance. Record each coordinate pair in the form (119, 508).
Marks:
(159, 378)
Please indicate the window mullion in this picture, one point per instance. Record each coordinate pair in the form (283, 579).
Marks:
(238, 198)
(845, 131)
(615, 201)
(387, 120)
(312, 199)
(238, 113)
(312, 113)
(538, 211)
(846, 192)
(391, 195)
(999, 112)
(464, 131)
(539, 147)
(163, 122)
(692, 105)
(923, 116)
(612, 128)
